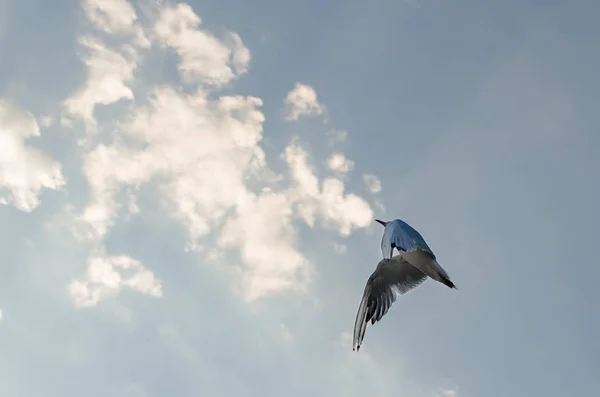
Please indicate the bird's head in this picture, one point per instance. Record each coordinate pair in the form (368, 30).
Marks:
(382, 222)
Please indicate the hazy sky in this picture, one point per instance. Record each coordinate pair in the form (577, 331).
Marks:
(188, 193)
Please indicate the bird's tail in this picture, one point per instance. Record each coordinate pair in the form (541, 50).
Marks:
(428, 265)
(360, 324)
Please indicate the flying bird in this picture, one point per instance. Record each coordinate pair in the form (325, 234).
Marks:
(396, 275)
(413, 248)
(391, 277)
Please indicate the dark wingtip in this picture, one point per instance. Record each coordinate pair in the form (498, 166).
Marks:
(449, 283)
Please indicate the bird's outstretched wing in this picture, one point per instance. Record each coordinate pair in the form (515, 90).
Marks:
(391, 277)
(402, 236)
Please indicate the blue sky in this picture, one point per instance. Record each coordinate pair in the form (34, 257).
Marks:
(188, 193)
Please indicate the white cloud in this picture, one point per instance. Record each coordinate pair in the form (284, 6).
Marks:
(447, 393)
(204, 57)
(115, 17)
(339, 163)
(347, 211)
(263, 229)
(108, 276)
(24, 171)
(373, 183)
(109, 72)
(240, 54)
(106, 168)
(302, 101)
(210, 149)
(204, 164)
(210, 170)
(341, 211)
(1, 315)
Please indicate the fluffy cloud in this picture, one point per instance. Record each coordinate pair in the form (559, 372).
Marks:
(108, 275)
(204, 160)
(209, 169)
(302, 101)
(339, 163)
(205, 165)
(115, 17)
(263, 230)
(338, 210)
(373, 183)
(24, 171)
(109, 72)
(199, 150)
(203, 57)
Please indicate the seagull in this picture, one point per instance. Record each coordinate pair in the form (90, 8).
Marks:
(391, 277)
(396, 275)
(413, 248)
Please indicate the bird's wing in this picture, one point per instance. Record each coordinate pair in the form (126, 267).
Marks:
(391, 277)
(401, 235)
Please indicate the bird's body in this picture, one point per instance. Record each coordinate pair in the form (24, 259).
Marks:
(400, 235)
(396, 274)
(413, 247)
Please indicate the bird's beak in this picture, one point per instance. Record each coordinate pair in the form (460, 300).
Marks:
(382, 222)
